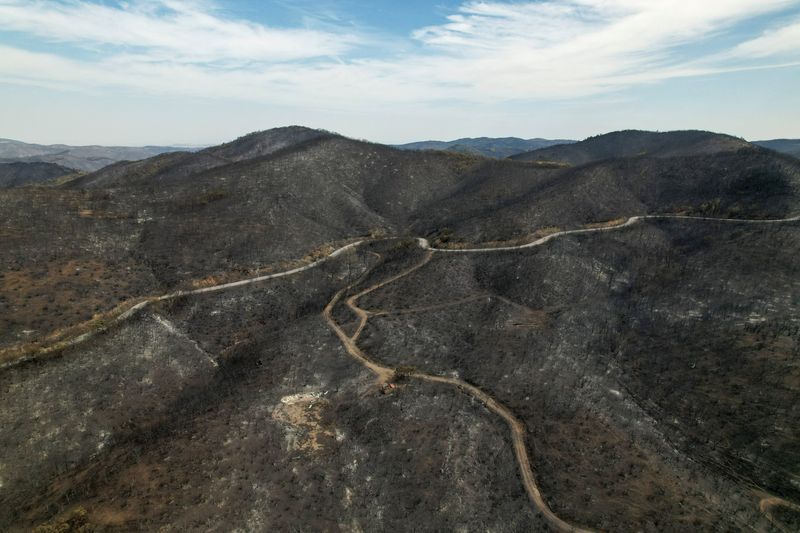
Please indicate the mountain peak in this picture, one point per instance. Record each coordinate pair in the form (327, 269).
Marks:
(265, 142)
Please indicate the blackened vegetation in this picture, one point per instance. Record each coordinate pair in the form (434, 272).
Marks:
(665, 353)
(277, 196)
(18, 173)
(654, 366)
(219, 456)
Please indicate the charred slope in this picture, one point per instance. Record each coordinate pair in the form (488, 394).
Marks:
(652, 365)
(649, 365)
(18, 174)
(478, 198)
(240, 410)
(503, 200)
(147, 227)
(277, 202)
(142, 228)
(632, 143)
(268, 142)
(177, 165)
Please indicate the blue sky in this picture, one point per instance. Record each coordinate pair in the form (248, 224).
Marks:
(205, 71)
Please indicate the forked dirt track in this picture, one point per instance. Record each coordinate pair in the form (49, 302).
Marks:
(61, 345)
(386, 374)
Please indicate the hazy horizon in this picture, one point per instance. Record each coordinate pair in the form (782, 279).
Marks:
(410, 141)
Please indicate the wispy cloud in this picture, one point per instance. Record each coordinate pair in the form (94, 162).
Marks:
(183, 31)
(570, 48)
(483, 52)
(782, 41)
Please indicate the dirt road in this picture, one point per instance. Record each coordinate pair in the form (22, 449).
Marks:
(116, 320)
(629, 222)
(517, 427)
(386, 374)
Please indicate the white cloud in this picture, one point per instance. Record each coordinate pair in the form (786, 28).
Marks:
(568, 48)
(174, 30)
(486, 52)
(780, 41)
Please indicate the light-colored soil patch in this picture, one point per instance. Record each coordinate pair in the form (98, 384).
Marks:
(304, 414)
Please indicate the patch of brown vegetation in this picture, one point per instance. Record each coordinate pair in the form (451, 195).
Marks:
(544, 232)
(544, 163)
(59, 295)
(591, 468)
(92, 213)
(464, 162)
(606, 224)
(378, 233)
(208, 281)
(517, 241)
(109, 516)
(76, 521)
(531, 318)
(782, 514)
(59, 339)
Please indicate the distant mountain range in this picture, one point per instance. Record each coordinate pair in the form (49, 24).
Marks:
(632, 143)
(618, 144)
(787, 146)
(486, 146)
(83, 158)
(65, 159)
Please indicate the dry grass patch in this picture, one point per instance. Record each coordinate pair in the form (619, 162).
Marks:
(517, 241)
(241, 274)
(62, 338)
(93, 213)
(607, 224)
(64, 301)
(62, 294)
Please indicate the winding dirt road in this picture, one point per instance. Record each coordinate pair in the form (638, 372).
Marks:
(68, 343)
(62, 345)
(386, 374)
(629, 222)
